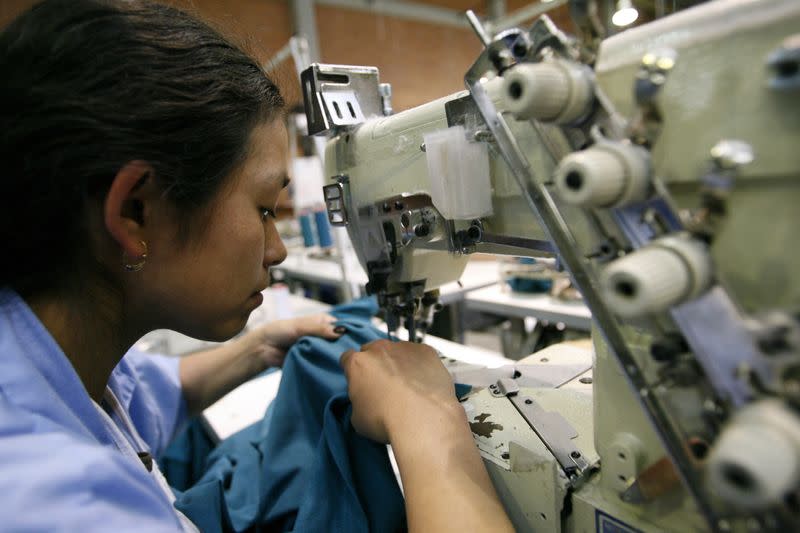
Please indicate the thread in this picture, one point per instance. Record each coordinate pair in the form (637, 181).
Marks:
(307, 230)
(323, 228)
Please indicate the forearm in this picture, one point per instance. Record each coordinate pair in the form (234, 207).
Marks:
(207, 376)
(445, 482)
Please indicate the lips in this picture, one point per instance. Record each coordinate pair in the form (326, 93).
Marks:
(256, 299)
(264, 286)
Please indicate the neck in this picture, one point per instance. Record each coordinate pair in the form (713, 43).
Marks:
(89, 330)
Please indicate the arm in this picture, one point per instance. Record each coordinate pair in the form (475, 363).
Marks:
(402, 394)
(208, 375)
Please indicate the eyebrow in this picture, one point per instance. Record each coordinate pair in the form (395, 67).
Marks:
(282, 178)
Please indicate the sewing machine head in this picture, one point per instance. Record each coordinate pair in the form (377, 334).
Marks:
(413, 233)
(661, 168)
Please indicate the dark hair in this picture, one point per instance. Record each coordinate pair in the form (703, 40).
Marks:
(89, 85)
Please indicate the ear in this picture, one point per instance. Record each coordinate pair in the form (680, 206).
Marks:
(124, 206)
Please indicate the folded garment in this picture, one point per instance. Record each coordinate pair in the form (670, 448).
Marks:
(303, 467)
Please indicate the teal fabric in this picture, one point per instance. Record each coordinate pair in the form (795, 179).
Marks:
(303, 467)
(184, 461)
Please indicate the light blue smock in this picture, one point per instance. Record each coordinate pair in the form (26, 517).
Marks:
(61, 464)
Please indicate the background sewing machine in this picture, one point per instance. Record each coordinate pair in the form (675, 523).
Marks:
(661, 167)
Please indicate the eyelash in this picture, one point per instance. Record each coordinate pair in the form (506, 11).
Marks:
(267, 212)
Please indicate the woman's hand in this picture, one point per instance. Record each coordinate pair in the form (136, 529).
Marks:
(401, 393)
(208, 375)
(273, 340)
(389, 383)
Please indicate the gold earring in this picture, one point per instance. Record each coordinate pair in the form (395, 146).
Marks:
(134, 267)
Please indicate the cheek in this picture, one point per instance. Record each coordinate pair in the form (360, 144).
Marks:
(238, 244)
(249, 239)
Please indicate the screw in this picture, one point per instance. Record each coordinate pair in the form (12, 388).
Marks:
(528, 401)
(575, 455)
(505, 455)
(483, 136)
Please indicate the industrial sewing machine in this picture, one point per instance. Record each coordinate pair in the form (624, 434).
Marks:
(661, 166)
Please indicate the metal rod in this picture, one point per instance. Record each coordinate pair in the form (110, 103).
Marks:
(305, 24)
(524, 14)
(478, 28)
(496, 9)
(405, 10)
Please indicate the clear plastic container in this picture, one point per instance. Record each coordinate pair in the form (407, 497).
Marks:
(458, 171)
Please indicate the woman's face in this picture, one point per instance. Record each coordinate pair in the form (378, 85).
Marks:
(208, 287)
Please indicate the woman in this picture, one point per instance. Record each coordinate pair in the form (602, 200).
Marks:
(143, 156)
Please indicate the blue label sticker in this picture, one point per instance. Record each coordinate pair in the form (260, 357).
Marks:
(608, 524)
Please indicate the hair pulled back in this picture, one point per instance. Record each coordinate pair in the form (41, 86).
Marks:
(89, 85)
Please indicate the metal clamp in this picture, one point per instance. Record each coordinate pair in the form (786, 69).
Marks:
(552, 429)
(340, 96)
(335, 203)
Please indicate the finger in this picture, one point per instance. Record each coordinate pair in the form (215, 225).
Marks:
(344, 360)
(325, 326)
(432, 351)
(331, 332)
(376, 344)
(322, 319)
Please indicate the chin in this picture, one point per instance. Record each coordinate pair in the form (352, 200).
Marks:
(221, 331)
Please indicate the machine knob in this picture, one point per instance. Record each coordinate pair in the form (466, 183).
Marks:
(553, 91)
(755, 463)
(666, 272)
(609, 174)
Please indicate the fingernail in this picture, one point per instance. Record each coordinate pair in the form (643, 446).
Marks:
(340, 329)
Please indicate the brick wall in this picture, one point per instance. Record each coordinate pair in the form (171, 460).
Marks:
(422, 61)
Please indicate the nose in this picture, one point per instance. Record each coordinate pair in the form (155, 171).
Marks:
(274, 250)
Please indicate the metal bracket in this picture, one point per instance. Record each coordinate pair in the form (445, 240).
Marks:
(335, 195)
(340, 96)
(504, 387)
(552, 429)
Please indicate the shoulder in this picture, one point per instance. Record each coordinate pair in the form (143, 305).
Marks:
(55, 480)
(139, 368)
